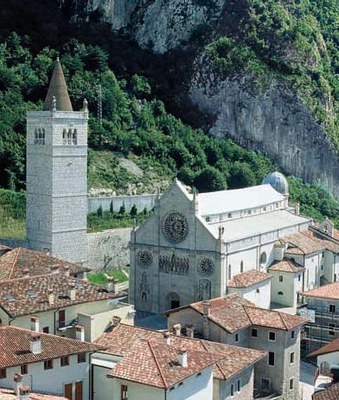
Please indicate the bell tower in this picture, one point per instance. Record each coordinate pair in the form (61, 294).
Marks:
(56, 205)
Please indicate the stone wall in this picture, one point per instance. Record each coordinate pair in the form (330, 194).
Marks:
(140, 201)
(108, 249)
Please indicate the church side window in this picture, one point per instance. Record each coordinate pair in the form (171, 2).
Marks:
(229, 272)
(263, 258)
(75, 137)
(64, 137)
(241, 267)
(69, 137)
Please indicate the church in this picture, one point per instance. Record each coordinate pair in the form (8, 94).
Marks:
(194, 244)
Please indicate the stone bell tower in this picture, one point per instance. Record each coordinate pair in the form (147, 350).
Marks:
(56, 205)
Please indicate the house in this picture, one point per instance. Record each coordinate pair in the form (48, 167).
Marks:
(61, 305)
(235, 320)
(144, 363)
(44, 363)
(20, 262)
(322, 304)
(252, 285)
(332, 393)
(194, 244)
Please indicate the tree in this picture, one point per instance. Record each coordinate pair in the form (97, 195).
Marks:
(100, 211)
(210, 179)
(122, 209)
(134, 211)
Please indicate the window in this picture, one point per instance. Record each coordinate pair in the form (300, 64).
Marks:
(229, 272)
(281, 278)
(39, 136)
(62, 318)
(208, 219)
(238, 385)
(291, 383)
(265, 384)
(232, 390)
(237, 337)
(280, 293)
(24, 369)
(64, 361)
(124, 394)
(257, 290)
(81, 358)
(45, 329)
(263, 258)
(241, 267)
(331, 331)
(332, 308)
(2, 373)
(254, 332)
(271, 336)
(292, 334)
(48, 364)
(271, 358)
(229, 215)
(299, 277)
(292, 358)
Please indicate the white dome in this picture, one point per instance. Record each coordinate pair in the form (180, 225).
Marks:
(278, 181)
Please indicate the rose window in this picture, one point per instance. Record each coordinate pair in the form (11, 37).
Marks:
(175, 227)
(206, 267)
(144, 258)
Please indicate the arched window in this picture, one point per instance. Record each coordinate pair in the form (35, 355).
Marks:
(241, 267)
(69, 136)
(75, 137)
(230, 272)
(280, 293)
(263, 258)
(64, 137)
(173, 300)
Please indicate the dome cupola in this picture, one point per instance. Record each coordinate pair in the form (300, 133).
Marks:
(278, 181)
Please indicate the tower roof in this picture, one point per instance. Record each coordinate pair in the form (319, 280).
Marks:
(58, 89)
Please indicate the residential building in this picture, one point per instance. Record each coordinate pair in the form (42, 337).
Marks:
(234, 320)
(61, 305)
(44, 363)
(322, 306)
(194, 244)
(332, 393)
(147, 364)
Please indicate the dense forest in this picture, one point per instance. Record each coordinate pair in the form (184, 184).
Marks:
(135, 127)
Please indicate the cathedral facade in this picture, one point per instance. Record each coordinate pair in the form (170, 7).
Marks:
(193, 245)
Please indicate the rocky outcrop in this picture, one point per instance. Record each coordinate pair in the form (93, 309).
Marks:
(270, 119)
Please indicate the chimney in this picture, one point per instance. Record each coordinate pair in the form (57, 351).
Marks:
(167, 338)
(35, 323)
(71, 291)
(190, 331)
(115, 321)
(177, 330)
(25, 272)
(51, 297)
(17, 383)
(24, 393)
(80, 333)
(109, 284)
(66, 270)
(55, 269)
(205, 321)
(35, 343)
(182, 358)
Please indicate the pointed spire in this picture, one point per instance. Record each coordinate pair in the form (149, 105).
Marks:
(58, 89)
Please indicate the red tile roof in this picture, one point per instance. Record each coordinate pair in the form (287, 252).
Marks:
(247, 279)
(328, 244)
(156, 364)
(8, 394)
(21, 262)
(328, 348)
(327, 292)
(303, 243)
(15, 347)
(233, 313)
(30, 295)
(328, 394)
(286, 265)
(122, 338)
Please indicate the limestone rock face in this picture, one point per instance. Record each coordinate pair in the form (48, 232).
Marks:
(270, 119)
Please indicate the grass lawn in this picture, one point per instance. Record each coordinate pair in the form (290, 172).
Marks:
(99, 278)
(11, 228)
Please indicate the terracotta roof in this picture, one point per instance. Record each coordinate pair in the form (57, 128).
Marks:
(14, 263)
(328, 292)
(328, 348)
(58, 88)
(247, 279)
(156, 364)
(233, 313)
(332, 393)
(8, 394)
(3, 247)
(30, 295)
(328, 244)
(286, 265)
(299, 242)
(15, 347)
(121, 339)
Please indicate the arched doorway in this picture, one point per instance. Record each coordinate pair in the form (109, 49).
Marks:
(173, 300)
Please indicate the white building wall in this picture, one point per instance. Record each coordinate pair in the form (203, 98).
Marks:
(53, 380)
(136, 391)
(259, 294)
(331, 358)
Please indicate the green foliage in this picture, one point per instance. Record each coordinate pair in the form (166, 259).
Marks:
(99, 278)
(134, 211)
